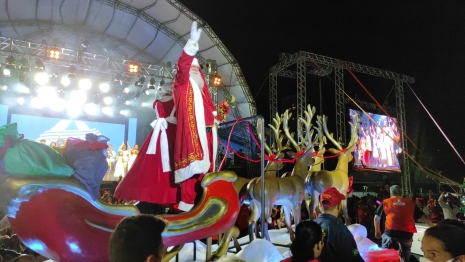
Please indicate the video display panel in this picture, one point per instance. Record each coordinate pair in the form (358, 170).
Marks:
(377, 147)
(47, 128)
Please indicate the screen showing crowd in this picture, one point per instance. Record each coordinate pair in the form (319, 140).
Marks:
(377, 147)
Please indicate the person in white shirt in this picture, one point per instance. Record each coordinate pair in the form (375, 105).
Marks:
(449, 209)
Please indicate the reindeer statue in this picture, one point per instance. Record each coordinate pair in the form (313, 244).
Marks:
(288, 191)
(316, 181)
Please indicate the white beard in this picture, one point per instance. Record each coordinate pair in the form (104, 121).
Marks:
(197, 78)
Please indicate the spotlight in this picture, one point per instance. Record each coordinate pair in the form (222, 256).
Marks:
(152, 83)
(72, 72)
(40, 66)
(127, 102)
(108, 100)
(10, 62)
(91, 109)
(162, 82)
(133, 68)
(23, 64)
(85, 44)
(41, 78)
(6, 72)
(78, 97)
(147, 92)
(217, 80)
(85, 84)
(4, 88)
(107, 111)
(24, 89)
(140, 82)
(74, 109)
(65, 81)
(57, 105)
(20, 100)
(54, 53)
(126, 90)
(104, 87)
(38, 102)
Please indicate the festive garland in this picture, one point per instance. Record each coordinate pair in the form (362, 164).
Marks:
(224, 108)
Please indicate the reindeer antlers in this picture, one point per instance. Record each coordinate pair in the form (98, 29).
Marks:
(353, 136)
(307, 122)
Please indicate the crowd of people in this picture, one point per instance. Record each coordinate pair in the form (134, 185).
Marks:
(119, 163)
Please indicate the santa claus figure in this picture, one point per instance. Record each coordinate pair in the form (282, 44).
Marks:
(196, 141)
(150, 179)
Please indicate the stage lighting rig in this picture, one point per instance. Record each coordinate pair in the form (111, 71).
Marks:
(217, 80)
(133, 68)
(40, 66)
(152, 83)
(162, 82)
(140, 82)
(54, 53)
(72, 72)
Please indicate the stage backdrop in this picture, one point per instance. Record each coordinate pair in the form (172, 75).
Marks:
(37, 128)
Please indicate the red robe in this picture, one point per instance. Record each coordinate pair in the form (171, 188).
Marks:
(191, 137)
(146, 181)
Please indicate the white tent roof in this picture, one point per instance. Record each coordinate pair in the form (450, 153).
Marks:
(145, 31)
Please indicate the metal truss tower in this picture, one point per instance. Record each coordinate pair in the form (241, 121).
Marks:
(323, 63)
(400, 106)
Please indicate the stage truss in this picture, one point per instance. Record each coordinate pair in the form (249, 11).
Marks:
(323, 65)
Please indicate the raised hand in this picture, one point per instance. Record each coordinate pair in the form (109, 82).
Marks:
(195, 33)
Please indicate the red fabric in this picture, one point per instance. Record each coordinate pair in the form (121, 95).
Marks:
(331, 197)
(146, 181)
(8, 144)
(191, 186)
(399, 214)
(188, 149)
(243, 217)
(351, 182)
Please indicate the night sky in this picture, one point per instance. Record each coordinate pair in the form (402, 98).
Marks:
(422, 39)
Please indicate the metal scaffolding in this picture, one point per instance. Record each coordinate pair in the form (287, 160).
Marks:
(323, 63)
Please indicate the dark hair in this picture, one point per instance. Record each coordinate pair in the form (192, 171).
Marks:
(307, 234)
(453, 222)
(135, 238)
(451, 236)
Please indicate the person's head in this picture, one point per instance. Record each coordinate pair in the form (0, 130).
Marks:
(308, 241)
(395, 190)
(53, 144)
(137, 239)
(330, 201)
(120, 153)
(443, 242)
(195, 66)
(453, 222)
(110, 146)
(43, 141)
(123, 147)
(136, 146)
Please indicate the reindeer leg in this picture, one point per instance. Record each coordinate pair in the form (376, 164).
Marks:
(314, 203)
(172, 253)
(268, 209)
(345, 212)
(287, 218)
(254, 214)
(224, 244)
(296, 209)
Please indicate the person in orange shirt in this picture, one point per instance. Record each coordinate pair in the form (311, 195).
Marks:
(401, 213)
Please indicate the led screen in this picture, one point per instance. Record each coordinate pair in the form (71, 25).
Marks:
(377, 146)
(37, 128)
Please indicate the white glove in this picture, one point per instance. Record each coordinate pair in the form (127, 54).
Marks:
(195, 33)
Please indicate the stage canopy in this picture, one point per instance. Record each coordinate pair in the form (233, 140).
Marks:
(152, 32)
